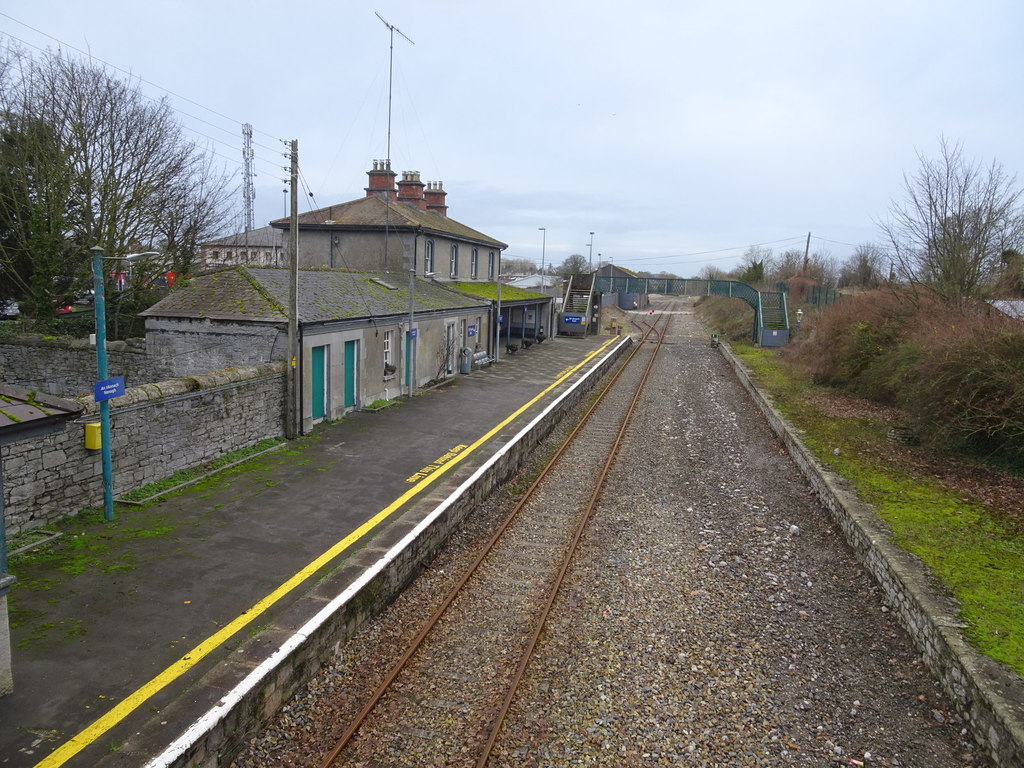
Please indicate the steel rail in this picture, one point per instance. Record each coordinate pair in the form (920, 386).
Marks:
(581, 526)
(456, 589)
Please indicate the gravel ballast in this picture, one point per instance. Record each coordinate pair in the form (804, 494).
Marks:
(713, 616)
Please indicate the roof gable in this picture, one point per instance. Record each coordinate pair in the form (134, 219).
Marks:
(374, 212)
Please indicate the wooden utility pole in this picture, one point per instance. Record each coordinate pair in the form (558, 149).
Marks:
(807, 254)
(292, 415)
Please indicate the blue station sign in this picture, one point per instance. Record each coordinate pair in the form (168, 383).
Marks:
(108, 389)
(573, 319)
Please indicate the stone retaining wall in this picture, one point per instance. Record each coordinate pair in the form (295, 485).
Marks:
(156, 430)
(987, 695)
(67, 367)
(243, 694)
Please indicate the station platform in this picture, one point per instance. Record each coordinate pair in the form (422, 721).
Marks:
(118, 629)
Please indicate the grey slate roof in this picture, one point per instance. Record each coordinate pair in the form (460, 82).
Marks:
(264, 237)
(1012, 307)
(261, 295)
(24, 413)
(374, 212)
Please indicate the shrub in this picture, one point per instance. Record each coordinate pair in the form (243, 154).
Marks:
(966, 388)
(856, 345)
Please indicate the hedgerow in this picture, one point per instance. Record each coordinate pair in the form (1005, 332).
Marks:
(958, 374)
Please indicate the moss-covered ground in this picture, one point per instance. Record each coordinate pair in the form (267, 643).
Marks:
(969, 548)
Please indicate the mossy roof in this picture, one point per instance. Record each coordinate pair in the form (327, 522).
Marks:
(376, 213)
(25, 412)
(261, 295)
(490, 291)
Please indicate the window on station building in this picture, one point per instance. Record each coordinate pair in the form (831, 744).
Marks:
(389, 346)
(453, 261)
(428, 258)
(490, 265)
(474, 263)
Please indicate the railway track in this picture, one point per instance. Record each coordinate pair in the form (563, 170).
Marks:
(444, 700)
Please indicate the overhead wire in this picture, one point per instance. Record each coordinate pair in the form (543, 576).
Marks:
(159, 101)
(702, 253)
(125, 71)
(266, 166)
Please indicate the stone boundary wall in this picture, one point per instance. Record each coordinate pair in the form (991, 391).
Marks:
(67, 367)
(242, 694)
(156, 430)
(986, 694)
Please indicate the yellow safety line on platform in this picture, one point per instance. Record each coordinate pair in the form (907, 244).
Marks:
(126, 706)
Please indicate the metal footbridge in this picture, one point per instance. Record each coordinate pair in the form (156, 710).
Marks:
(771, 317)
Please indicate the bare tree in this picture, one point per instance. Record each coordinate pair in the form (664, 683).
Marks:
(753, 265)
(823, 268)
(576, 264)
(711, 272)
(102, 166)
(445, 357)
(958, 218)
(514, 266)
(785, 266)
(865, 268)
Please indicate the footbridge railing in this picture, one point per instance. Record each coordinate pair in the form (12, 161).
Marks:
(771, 319)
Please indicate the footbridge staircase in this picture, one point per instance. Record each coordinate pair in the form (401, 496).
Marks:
(771, 317)
(576, 315)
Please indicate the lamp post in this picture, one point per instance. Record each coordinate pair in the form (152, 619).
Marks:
(591, 251)
(543, 248)
(799, 319)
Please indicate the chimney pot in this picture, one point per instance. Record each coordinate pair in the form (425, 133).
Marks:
(435, 198)
(381, 181)
(410, 190)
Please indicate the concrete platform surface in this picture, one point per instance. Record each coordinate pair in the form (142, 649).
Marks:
(113, 623)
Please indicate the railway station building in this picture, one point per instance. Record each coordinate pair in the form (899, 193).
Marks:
(392, 295)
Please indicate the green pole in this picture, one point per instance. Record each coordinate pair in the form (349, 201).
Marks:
(100, 308)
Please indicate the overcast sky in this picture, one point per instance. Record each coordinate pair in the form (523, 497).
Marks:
(678, 132)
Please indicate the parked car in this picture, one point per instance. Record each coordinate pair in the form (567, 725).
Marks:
(9, 309)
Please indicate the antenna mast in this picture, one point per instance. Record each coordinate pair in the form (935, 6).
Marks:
(391, 63)
(248, 190)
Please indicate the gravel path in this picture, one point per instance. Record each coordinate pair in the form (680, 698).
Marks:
(713, 617)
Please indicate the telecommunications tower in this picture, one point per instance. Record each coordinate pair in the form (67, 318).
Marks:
(248, 190)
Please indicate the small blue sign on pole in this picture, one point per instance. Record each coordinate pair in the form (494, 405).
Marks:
(414, 333)
(471, 331)
(501, 318)
(108, 389)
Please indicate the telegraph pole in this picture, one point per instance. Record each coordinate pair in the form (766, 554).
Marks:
(291, 420)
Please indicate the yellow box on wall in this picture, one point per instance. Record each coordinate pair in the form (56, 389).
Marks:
(93, 436)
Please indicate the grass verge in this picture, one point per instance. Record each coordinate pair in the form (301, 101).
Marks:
(193, 474)
(973, 553)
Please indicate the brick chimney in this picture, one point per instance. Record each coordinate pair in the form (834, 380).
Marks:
(382, 180)
(435, 196)
(410, 190)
